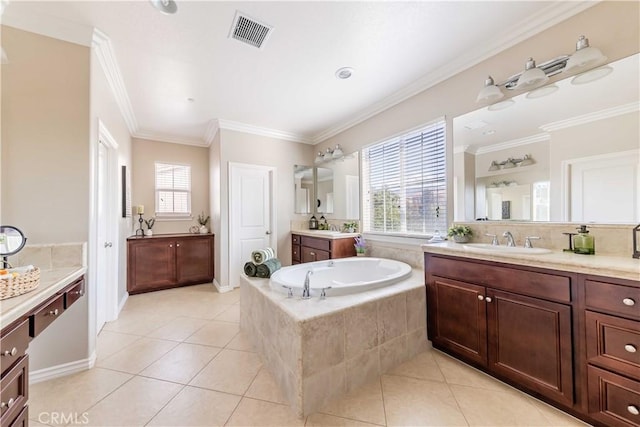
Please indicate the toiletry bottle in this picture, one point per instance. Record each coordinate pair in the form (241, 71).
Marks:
(583, 243)
(313, 223)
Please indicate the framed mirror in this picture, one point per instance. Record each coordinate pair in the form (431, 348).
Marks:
(580, 135)
(12, 241)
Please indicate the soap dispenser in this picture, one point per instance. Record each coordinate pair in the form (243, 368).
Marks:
(583, 243)
(313, 223)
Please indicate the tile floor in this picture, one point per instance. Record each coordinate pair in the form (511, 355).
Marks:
(177, 358)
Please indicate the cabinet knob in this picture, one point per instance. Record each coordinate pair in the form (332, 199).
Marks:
(629, 301)
(633, 409)
(11, 352)
(81, 293)
(630, 348)
(53, 312)
(488, 299)
(7, 404)
(170, 246)
(177, 245)
(480, 297)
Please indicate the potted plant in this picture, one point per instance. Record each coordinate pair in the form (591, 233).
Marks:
(350, 227)
(150, 223)
(203, 220)
(360, 245)
(460, 233)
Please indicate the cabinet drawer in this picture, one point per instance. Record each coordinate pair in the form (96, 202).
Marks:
(613, 298)
(613, 400)
(613, 343)
(312, 242)
(295, 239)
(74, 293)
(13, 344)
(46, 314)
(14, 391)
(542, 285)
(295, 253)
(311, 254)
(22, 420)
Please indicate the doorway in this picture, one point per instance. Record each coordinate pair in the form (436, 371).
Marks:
(252, 215)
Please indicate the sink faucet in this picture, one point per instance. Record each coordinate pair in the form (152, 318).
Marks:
(509, 236)
(305, 290)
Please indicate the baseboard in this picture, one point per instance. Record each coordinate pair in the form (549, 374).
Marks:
(62, 370)
(221, 289)
(122, 303)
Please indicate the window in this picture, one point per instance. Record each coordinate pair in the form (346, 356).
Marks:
(404, 183)
(173, 190)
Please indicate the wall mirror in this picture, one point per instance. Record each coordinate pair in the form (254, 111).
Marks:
(568, 151)
(331, 187)
(12, 241)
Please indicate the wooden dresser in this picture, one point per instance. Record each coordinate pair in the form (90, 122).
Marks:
(309, 249)
(168, 260)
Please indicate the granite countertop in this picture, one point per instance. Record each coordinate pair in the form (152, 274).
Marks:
(324, 234)
(51, 281)
(601, 265)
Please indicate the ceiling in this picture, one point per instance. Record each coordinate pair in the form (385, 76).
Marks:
(287, 88)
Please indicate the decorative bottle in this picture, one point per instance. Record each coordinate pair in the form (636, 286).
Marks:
(583, 243)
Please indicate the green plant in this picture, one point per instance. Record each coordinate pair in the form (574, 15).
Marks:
(350, 226)
(150, 222)
(459, 230)
(203, 220)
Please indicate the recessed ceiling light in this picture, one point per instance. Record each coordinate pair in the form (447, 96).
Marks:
(344, 73)
(191, 100)
(168, 7)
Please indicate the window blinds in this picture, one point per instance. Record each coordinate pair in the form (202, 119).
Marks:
(173, 189)
(404, 182)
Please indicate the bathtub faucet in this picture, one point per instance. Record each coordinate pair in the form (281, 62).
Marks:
(330, 263)
(305, 290)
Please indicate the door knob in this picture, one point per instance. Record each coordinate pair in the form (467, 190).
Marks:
(267, 232)
(108, 244)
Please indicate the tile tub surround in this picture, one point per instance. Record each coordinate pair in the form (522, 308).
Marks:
(320, 350)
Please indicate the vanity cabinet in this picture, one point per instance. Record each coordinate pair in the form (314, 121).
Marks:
(167, 261)
(612, 328)
(14, 360)
(309, 249)
(514, 323)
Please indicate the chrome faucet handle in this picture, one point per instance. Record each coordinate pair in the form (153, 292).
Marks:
(528, 239)
(323, 294)
(511, 242)
(494, 239)
(289, 292)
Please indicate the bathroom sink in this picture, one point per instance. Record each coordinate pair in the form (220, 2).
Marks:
(515, 250)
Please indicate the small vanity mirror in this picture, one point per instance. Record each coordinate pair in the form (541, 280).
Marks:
(12, 240)
(304, 189)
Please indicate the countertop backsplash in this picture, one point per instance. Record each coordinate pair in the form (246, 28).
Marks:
(51, 256)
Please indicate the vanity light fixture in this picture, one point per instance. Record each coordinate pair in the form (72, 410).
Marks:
(319, 158)
(532, 76)
(494, 166)
(337, 153)
(490, 92)
(329, 155)
(584, 57)
(167, 7)
(511, 162)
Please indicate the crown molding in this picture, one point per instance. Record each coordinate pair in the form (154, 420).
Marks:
(212, 130)
(46, 25)
(514, 143)
(457, 149)
(546, 18)
(101, 45)
(161, 137)
(591, 117)
(257, 130)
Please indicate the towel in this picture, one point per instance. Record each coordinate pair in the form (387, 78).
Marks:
(267, 268)
(262, 255)
(250, 269)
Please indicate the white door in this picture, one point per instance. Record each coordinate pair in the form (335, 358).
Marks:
(102, 235)
(613, 177)
(251, 214)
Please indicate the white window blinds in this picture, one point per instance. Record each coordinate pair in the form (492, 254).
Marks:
(173, 190)
(404, 182)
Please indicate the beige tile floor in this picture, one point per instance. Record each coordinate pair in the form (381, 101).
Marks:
(177, 358)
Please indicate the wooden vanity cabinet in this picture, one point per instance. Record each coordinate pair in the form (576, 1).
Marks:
(167, 261)
(310, 249)
(612, 329)
(503, 320)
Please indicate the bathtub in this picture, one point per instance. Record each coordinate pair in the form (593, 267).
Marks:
(344, 275)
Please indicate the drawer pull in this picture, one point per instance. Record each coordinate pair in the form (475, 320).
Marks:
(629, 301)
(53, 312)
(633, 409)
(488, 299)
(81, 293)
(630, 348)
(9, 404)
(480, 297)
(13, 352)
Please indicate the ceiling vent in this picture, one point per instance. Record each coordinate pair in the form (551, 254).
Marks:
(250, 31)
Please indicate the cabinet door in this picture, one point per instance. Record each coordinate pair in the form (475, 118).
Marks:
(530, 343)
(194, 260)
(457, 318)
(152, 265)
(311, 254)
